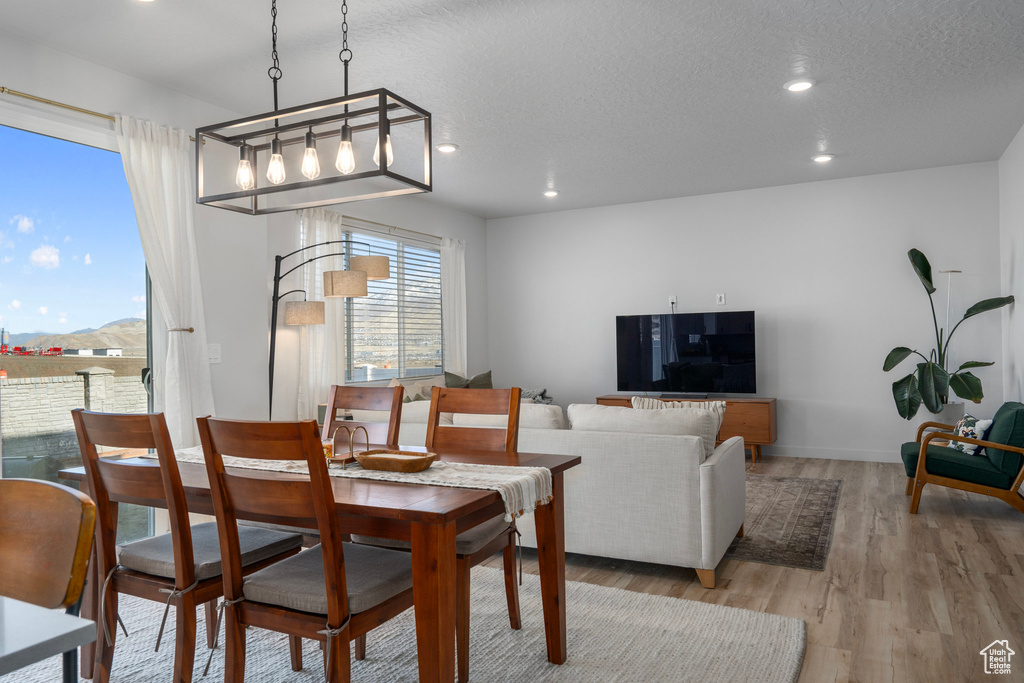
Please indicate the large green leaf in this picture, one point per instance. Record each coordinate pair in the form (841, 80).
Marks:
(907, 396)
(975, 364)
(933, 383)
(922, 268)
(895, 357)
(965, 385)
(988, 305)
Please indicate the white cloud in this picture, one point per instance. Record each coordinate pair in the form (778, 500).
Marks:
(14, 305)
(43, 310)
(63, 318)
(67, 238)
(88, 259)
(24, 223)
(46, 256)
(139, 298)
(141, 314)
(7, 259)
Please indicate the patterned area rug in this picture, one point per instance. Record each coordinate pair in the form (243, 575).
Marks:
(789, 521)
(613, 635)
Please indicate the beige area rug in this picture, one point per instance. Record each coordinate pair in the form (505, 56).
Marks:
(614, 635)
(789, 521)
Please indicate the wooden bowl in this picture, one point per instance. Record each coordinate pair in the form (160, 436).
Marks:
(395, 461)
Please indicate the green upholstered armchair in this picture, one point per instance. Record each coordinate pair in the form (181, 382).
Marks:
(996, 472)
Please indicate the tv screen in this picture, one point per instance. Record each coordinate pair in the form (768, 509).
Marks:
(687, 352)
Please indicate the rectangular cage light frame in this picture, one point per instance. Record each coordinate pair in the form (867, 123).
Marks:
(291, 124)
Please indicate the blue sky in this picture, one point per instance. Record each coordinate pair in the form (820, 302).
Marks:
(70, 256)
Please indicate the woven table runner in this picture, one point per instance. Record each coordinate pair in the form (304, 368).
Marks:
(521, 488)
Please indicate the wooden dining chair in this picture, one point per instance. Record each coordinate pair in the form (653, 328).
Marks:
(45, 539)
(180, 568)
(332, 592)
(482, 541)
(364, 398)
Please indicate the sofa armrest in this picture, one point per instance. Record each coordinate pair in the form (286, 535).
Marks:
(723, 499)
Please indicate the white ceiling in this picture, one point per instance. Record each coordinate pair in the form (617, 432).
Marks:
(609, 102)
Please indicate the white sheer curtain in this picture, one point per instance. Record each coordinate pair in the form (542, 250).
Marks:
(453, 306)
(158, 163)
(321, 352)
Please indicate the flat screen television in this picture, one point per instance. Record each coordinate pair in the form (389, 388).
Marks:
(710, 353)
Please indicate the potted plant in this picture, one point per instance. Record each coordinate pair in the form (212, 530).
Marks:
(931, 383)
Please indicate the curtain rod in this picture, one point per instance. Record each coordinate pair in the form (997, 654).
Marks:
(54, 103)
(61, 105)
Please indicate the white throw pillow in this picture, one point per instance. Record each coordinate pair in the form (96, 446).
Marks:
(644, 403)
(694, 422)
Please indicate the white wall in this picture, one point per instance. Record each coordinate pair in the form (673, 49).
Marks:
(411, 213)
(823, 265)
(1011, 249)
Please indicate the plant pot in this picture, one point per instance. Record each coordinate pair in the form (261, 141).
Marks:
(950, 414)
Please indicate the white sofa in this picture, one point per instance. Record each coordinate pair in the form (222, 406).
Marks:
(635, 496)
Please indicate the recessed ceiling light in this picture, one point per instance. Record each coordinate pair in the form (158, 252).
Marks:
(446, 147)
(799, 85)
(551, 193)
(824, 158)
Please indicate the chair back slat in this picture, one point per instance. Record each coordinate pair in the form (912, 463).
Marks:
(46, 535)
(133, 479)
(365, 398)
(254, 494)
(479, 402)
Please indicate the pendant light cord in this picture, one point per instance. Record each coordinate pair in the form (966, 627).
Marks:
(274, 71)
(346, 54)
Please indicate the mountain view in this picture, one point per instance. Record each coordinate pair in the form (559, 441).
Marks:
(128, 334)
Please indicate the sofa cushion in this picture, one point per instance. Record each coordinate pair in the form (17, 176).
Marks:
(415, 412)
(695, 422)
(954, 464)
(1007, 428)
(481, 381)
(418, 389)
(531, 416)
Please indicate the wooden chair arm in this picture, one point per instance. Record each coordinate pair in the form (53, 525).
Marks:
(938, 425)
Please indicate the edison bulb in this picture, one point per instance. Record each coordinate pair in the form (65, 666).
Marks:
(388, 152)
(275, 169)
(244, 177)
(346, 161)
(310, 161)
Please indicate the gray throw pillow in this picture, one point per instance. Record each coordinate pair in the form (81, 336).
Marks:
(481, 381)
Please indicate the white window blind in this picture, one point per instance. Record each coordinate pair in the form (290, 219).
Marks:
(395, 331)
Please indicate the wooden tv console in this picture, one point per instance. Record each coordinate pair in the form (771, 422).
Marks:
(751, 418)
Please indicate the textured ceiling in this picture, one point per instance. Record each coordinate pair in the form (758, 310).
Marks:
(609, 102)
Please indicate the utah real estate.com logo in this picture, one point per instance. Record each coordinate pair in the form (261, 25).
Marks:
(997, 657)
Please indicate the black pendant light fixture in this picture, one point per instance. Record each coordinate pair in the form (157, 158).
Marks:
(269, 162)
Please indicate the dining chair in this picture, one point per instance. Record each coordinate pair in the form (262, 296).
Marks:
(332, 592)
(343, 397)
(180, 568)
(45, 539)
(482, 541)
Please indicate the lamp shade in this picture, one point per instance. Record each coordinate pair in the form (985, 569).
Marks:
(345, 283)
(376, 267)
(304, 313)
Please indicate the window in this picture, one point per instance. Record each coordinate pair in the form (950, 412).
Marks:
(73, 318)
(395, 331)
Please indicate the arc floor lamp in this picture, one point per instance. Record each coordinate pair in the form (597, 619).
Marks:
(337, 283)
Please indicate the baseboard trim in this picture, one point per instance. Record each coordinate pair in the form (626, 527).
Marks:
(823, 453)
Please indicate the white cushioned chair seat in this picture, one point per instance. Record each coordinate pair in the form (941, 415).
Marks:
(156, 556)
(372, 575)
(466, 543)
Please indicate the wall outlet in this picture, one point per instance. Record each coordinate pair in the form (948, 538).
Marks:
(213, 353)
(720, 299)
(672, 300)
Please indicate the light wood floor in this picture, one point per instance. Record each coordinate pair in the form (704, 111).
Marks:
(902, 598)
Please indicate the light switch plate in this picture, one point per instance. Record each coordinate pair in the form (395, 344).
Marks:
(720, 299)
(213, 353)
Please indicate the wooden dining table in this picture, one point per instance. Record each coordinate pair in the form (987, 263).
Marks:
(429, 517)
